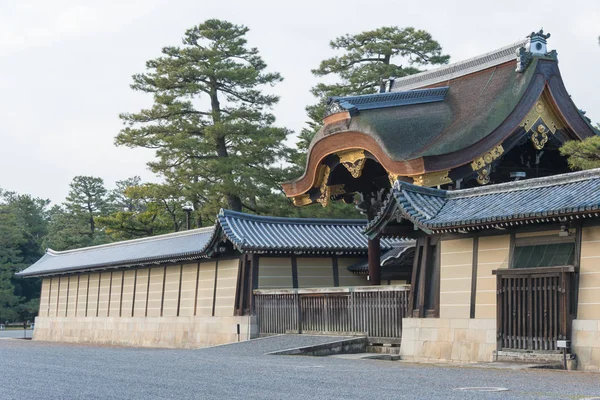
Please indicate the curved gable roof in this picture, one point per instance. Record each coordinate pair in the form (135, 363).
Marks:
(485, 102)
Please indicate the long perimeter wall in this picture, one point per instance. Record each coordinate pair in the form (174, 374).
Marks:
(188, 305)
(198, 289)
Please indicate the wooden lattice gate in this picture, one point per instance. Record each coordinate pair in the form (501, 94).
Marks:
(375, 311)
(533, 308)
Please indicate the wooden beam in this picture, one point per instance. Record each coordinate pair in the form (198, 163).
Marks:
(422, 277)
(294, 272)
(134, 290)
(474, 276)
(375, 261)
(162, 296)
(121, 297)
(147, 292)
(67, 299)
(436, 275)
(336, 271)
(214, 304)
(196, 291)
(415, 278)
(77, 294)
(97, 300)
(511, 249)
(255, 272)
(240, 286)
(179, 293)
(87, 295)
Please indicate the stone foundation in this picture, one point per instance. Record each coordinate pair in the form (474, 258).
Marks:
(170, 332)
(586, 344)
(448, 339)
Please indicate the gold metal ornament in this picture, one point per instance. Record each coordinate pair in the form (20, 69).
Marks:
(539, 120)
(483, 177)
(540, 137)
(301, 200)
(483, 164)
(487, 158)
(328, 192)
(432, 179)
(354, 161)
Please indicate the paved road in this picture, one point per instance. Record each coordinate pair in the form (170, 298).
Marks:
(58, 371)
(18, 333)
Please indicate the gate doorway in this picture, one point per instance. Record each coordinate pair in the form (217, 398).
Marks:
(533, 307)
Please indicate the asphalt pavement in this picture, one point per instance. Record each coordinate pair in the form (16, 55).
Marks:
(43, 370)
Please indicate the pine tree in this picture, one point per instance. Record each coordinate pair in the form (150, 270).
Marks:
(143, 210)
(73, 224)
(23, 224)
(582, 154)
(210, 122)
(366, 60)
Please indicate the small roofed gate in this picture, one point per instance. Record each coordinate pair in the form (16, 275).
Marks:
(533, 307)
(376, 312)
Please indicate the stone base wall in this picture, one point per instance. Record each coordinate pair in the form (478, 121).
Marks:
(586, 344)
(448, 339)
(170, 332)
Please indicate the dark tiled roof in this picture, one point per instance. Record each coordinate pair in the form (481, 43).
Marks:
(172, 247)
(261, 233)
(354, 104)
(455, 70)
(246, 232)
(532, 200)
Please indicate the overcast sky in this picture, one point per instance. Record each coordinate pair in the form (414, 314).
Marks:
(66, 66)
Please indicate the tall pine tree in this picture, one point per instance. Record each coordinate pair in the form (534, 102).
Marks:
(73, 224)
(210, 122)
(363, 63)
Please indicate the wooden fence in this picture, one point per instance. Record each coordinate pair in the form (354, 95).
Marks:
(375, 311)
(533, 307)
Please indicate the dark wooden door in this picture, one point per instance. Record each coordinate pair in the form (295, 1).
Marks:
(533, 309)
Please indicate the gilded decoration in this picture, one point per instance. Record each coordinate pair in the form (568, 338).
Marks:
(353, 161)
(487, 158)
(483, 165)
(539, 121)
(540, 137)
(393, 178)
(432, 179)
(483, 176)
(302, 200)
(328, 192)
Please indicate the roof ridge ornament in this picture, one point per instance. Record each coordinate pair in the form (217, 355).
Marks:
(535, 47)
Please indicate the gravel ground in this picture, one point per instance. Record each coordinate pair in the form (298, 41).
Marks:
(45, 370)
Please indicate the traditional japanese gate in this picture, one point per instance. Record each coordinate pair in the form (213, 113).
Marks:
(533, 307)
(375, 311)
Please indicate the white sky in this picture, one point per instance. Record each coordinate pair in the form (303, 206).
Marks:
(66, 66)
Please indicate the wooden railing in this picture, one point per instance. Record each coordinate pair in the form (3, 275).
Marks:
(533, 307)
(375, 311)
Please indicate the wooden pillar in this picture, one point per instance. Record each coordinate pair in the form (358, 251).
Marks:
(374, 261)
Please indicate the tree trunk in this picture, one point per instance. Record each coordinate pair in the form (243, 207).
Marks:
(233, 201)
(382, 86)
